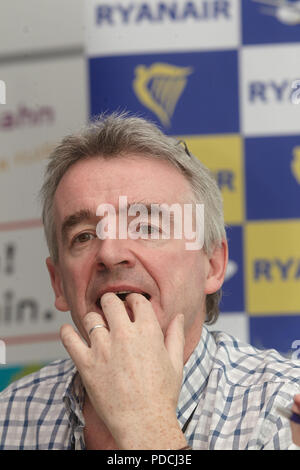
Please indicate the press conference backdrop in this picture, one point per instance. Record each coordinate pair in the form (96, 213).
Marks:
(218, 74)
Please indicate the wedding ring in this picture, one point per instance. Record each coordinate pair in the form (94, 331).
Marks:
(97, 326)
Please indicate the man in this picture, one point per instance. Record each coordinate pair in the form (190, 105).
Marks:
(145, 372)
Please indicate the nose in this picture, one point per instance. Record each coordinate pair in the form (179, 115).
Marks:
(114, 253)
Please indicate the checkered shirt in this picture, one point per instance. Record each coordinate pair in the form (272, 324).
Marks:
(228, 400)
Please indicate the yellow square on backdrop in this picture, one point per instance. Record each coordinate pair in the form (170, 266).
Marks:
(223, 155)
(272, 267)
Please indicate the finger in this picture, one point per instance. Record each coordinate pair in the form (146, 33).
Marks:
(115, 312)
(297, 399)
(97, 336)
(174, 342)
(142, 310)
(74, 345)
(295, 433)
(296, 404)
(93, 318)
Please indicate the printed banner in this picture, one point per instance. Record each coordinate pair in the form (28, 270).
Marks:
(45, 84)
(225, 77)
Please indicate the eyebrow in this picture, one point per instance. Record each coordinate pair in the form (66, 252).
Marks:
(84, 215)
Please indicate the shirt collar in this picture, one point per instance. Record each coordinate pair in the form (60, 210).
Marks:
(195, 375)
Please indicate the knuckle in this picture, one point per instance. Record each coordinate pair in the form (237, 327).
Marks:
(137, 299)
(86, 319)
(66, 335)
(90, 318)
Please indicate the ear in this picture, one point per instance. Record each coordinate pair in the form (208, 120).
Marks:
(60, 300)
(216, 268)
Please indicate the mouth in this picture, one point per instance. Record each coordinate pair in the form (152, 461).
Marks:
(122, 295)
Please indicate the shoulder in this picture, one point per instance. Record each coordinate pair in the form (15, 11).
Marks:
(58, 371)
(252, 365)
(33, 414)
(248, 385)
(32, 393)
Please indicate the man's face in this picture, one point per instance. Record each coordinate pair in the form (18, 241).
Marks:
(176, 279)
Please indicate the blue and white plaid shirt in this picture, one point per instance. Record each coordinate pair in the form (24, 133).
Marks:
(228, 400)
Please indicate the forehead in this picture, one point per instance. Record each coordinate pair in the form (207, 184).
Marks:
(94, 181)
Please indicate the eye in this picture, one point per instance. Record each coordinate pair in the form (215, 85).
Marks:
(83, 237)
(147, 229)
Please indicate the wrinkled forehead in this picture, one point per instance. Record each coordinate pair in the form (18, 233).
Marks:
(95, 181)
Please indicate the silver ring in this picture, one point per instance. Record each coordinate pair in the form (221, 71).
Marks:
(97, 326)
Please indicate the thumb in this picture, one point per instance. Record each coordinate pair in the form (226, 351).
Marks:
(174, 342)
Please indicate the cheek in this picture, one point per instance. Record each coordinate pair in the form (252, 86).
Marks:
(183, 277)
(75, 279)
(194, 282)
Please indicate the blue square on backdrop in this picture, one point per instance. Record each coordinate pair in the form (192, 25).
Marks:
(279, 332)
(233, 287)
(272, 170)
(265, 22)
(184, 93)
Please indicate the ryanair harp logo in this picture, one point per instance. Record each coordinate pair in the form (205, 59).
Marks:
(159, 88)
(296, 164)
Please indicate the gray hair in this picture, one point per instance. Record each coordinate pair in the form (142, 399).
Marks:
(120, 134)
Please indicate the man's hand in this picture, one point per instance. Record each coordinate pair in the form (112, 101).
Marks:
(131, 372)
